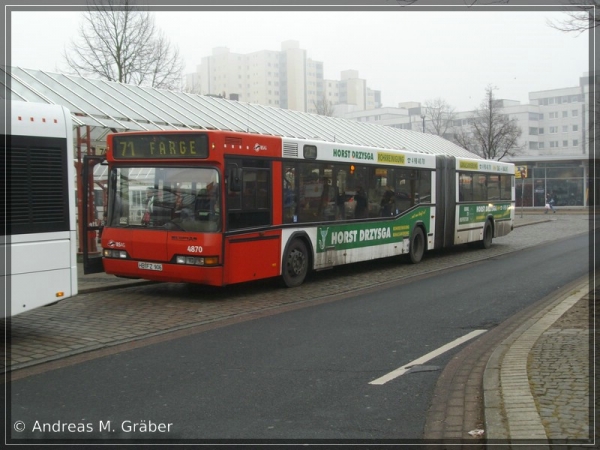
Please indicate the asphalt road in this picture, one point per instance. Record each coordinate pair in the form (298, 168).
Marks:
(302, 374)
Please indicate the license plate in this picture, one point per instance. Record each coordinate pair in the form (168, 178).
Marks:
(149, 266)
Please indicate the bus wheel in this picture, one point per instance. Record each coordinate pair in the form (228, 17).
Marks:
(417, 246)
(487, 235)
(295, 264)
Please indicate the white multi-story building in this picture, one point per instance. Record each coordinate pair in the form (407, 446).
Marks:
(285, 79)
(560, 127)
(554, 144)
(350, 94)
(253, 77)
(556, 148)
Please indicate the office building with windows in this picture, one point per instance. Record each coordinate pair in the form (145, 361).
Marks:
(555, 148)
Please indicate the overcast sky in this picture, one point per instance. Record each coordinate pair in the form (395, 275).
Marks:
(407, 55)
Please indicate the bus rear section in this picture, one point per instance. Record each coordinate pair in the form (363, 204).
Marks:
(40, 239)
(485, 200)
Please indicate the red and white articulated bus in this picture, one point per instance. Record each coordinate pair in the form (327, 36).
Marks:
(223, 207)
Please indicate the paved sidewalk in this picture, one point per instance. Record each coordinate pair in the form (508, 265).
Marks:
(537, 382)
(97, 282)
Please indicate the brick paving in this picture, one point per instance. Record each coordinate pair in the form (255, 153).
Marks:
(537, 381)
(98, 318)
(559, 368)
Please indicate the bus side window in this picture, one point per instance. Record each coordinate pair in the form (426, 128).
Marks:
(493, 187)
(234, 199)
(465, 188)
(480, 187)
(505, 181)
(251, 206)
(262, 189)
(424, 186)
(249, 190)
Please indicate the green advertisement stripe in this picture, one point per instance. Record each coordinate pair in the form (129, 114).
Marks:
(366, 234)
(468, 214)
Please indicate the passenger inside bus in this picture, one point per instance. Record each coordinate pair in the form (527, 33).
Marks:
(361, 208)
(323, 209)
(178, 201)
(148, 213)
(388, 203)
(340, 204)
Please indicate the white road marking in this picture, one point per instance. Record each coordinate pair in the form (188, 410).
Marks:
(444, 348)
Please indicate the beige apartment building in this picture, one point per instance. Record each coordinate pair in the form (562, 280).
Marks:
(285, 79)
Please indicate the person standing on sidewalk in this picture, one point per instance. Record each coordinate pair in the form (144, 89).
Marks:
(549, 204)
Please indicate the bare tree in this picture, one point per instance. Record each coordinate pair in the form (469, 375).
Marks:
(324, 107)
(579, 16)
(118, 41)
(490, 133)
(440, 116)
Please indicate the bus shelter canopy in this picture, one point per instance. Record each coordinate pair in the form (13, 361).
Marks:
(107, 107)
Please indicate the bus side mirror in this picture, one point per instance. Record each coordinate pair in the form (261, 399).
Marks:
(235, 179)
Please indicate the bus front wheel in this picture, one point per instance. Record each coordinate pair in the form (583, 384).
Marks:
(417, 246)
(295, 264)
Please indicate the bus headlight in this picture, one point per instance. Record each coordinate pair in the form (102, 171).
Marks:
(197, 260)
(109, 253)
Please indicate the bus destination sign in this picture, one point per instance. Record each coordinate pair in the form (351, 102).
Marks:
(160, 146)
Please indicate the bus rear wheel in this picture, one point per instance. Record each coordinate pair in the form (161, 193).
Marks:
(488, 235)
(417, 246)
(295, 264)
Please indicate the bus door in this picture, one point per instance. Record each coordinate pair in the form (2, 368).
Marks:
(252, 247)
(89, 224)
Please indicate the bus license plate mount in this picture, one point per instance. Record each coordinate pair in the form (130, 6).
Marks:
(150, 266)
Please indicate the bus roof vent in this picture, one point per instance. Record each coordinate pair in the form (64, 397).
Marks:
(290, 149)
(233, 141)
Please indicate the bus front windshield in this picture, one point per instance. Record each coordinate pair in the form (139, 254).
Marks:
(165, 198)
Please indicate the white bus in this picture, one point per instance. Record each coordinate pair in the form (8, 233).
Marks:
(39, 231)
